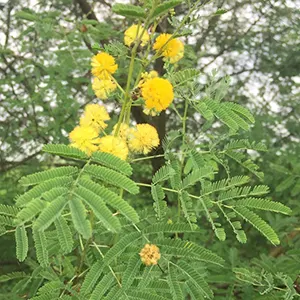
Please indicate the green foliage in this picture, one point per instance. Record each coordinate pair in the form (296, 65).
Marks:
(47, 175)
(99, 208)
(112, 177)
(88, 220)
(21, 243)
(64, 235)
(110, 161)
(129, 11)
(50, 213)
(78, 213)
(112, 199)
(164, 8)
(65, 151)
(40, 243)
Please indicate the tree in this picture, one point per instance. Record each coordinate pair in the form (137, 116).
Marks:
(56, 45)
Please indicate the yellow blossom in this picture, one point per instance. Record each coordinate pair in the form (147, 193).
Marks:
(114, 145)
(123, 131)
(157, 93)
(103, 65)
(103, 88)
(94, 116)
(133, 32)
(143, 139)
(146, 76)
(85, 139)
(150, 112)
(150, 255)
(171, 49)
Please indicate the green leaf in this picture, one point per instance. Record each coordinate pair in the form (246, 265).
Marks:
(46, 175)
(112, 199)
(165, 7)
(7, 220)
(102, 287)
(143, 295)
(174, 284)
(220, 234)
(121, 246)
(286, 183)
(26, 16)
(195, 278)
(220, 11)
(21, 243)
(132, 270)
(12, 276)
(170, 228)
(78, 213)
(113, 162)
(92, 277)
(187, 207)
(40, 243)
(183, 76)
(263, 204)
(38, 190)
(112, 177)
(50, 213)
(65, 151)
(187, 249)
(64, 235)
(164, 173)
(258, 223)
(99, 208)
(8, 210)
(159, 205)
(129, 10)
(30, 211)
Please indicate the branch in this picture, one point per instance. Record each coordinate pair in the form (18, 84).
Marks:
(87, 9)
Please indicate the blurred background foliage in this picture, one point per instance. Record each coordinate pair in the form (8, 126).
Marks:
(45, 55)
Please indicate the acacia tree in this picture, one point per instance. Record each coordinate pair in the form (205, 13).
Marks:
(51, 80)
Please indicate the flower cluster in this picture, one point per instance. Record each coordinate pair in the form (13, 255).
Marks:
(171, 49)
(150, 255)
(157, 93)
(140, 139)
(103, 66)
(133, 33)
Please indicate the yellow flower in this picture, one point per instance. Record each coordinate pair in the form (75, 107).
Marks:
(146, 76)
(133, 32)
(150, 112)
(103, 88)
(85, 139)
(103, 65)
(171, 49)
(123, 131)
(94, 116)
(114, 145)
(143, 139)
(150, 255)
(157, 93)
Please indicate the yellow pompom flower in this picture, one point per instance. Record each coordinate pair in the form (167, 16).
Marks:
(171, 49)
(146, 76)
(114, 145)
(133, 32)
(103, 88)
(85, 139)
(123, 131)
(103, 65)
(143, 139)
(157, 93)
(94, 116)
(150, 255)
